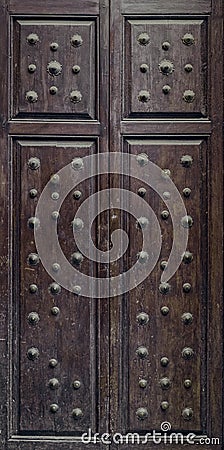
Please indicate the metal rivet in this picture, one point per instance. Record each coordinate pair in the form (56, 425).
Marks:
(165, 383)
(54, 408)
(33, 38)
(141, 192)
(142, 318)
(166, 195)
(33, 288)
(166, 67)
(164, 361)
(186, 288)
(165, 45)
(32, 68)
(76, 384)
(188, 39)
(166, 89)
(54, 68)
(55, 195)
(166, 173)
(53, 90)
(186, 161)
(163, 265)
(56, 267)
(143, 257)
(77, 195)
(77, 413)
(33, 318)
(164, 288)
(34, 163)
(142, 413)
(77, 164)
(187, 384)
(187, 192)
(187, 318)
(188, 68)
(33, 222)
(143, 383)
(76, 69)
(54, 46)
(55, 215)
(187, 414)
(77, 224)
(76, 96)
(33, 193)
(143, 39)
(53, 363)
(187, 353)
(54, 383)
(33, 353)
(144, 96)
(76, 40)
(33, 259)
(77, 258)
(164, 406)
(77, 290)
(144, 68)
(142, 223)
(55, 179)
(189, 96)
(188, 257)
(142, 352)
(165, 310)
(165, 214)
(55, 311)
(55, 289)
(31, 96)
(187, 222)
(142, 159)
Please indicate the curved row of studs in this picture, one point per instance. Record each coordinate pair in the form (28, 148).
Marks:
(75, 96)
(76, 41)
(188, 95)
(144, 39)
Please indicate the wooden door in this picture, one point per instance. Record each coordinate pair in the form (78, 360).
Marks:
(91, 79)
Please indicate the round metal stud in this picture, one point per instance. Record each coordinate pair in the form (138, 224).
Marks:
(53, 90)
(76, 96)
(187, 353)
(143, 383)
(54, 408)
(56, 267)
(33, 222)
(164, 361)
(77, 195)
(54, 68)
(32, 68)
(142, 413)
(33, 318)
(144, 68)
(76, 69)
(165, 383)
(188, 39)
(55, 195)
(187, 414)
(77, 290)
(142, 159)
(77, 413)
(33, 353)
(166, 195)
(164, 406)
(188, 68)
(142, 352)
(53, 363)
(164, 288)
(187, 222)
(144, 96)
(166, 89)
(187, 288)
(54, 46)
(55, 215)
(33, 193)
(186, 161)
(77, 164)
(31, 96)
(165, 214)
(166, 45)
(187, 318)
(142, 318)
(188, 257)
(76, 384)
(33, 288)
(77, 224)
(166, 173)
(189, 96)
(55, 311)
(141, 192)
(187, 192)
(55, 289)
(33, 259)
(163, 265)
(54, 383)
(142, 223)
(76, 40)
(143, 39)
(166, 67)
(187, 384)
(165, 310)
(77, 258)
(55, 179)
(143, 257)
(34, 163)
(33, 38)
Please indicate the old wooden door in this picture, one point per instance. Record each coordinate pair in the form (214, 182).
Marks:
(142, 79)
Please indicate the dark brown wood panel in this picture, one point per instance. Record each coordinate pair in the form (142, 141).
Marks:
(162, 7)
(84, 7)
